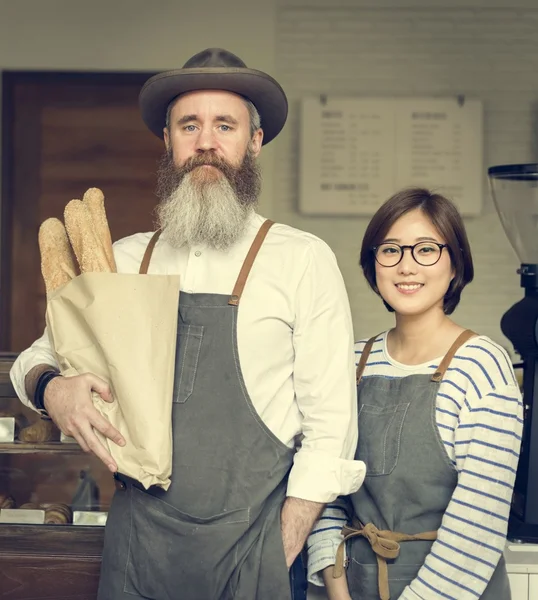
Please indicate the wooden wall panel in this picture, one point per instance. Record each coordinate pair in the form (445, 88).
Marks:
(64, 133)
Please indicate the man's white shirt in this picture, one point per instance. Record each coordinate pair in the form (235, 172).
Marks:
(295, 344)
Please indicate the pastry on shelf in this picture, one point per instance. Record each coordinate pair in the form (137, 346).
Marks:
(6, 501)
(39, 432)
(57, 514)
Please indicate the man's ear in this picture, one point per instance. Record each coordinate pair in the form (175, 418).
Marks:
(256, 142)
(166, 137)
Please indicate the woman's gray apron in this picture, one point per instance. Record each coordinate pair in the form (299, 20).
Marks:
(215, 534)
(409, 483)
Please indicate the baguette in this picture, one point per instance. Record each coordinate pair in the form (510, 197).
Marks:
(89, 252)
(57, 263)
(73, 227)
(95, 201)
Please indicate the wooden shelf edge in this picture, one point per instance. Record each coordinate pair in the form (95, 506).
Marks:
(51, 540)
(45, 448)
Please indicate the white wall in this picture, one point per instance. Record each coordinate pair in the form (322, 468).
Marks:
(341, 47)
(410, 48)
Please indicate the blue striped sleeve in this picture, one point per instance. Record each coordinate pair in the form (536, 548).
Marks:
(494, 358)
(472, 535)
(325, 538)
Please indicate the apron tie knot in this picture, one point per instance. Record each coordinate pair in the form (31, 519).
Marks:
(384, 543)
(381, 541)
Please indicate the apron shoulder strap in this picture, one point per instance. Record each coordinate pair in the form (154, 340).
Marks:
(144, 265)
(249, 261)
(443, 366)
(245, 269)
(364, 356)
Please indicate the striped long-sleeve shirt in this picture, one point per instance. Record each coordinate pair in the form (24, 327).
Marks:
(479, 414)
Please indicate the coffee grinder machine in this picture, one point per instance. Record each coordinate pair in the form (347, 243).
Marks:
(515, 193)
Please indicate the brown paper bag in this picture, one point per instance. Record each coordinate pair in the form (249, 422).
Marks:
(123, 328)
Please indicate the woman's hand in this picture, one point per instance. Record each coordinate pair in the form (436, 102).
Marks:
(336, 588)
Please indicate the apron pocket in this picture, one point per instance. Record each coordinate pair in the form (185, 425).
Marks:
(189, 342)
(363, 579)
(171, 551)
(380, 429)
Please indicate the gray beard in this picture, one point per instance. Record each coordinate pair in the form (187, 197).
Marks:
(206, 207)
(206, 213)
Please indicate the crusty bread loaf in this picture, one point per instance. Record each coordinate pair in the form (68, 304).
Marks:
(89, 252)
(95, 201)
(72, 226)
(57, 263)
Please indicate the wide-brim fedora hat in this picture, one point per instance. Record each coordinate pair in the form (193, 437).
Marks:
(215, 69)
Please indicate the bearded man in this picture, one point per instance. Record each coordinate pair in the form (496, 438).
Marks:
(264, 423)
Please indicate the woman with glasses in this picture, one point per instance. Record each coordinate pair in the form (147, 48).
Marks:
(440, 424)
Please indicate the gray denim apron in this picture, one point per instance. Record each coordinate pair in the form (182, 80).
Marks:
(215, 534)
(409, 483)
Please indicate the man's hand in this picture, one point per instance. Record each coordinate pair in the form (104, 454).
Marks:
(296, 521)
(68, 401)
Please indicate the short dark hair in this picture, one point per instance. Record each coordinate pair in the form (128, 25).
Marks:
(445, 218)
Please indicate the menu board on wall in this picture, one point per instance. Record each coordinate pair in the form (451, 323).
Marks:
(356, 153)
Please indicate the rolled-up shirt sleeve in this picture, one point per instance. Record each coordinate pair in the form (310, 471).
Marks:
(324, 381)
(39, 353)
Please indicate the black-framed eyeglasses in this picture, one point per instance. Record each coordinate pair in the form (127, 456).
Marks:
(424, 253)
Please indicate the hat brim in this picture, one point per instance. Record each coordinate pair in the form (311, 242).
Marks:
(261, 89)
